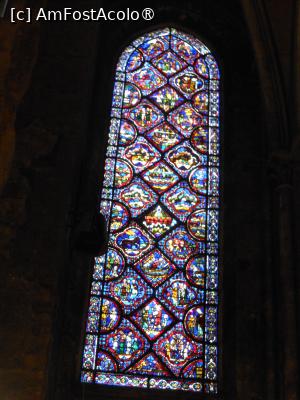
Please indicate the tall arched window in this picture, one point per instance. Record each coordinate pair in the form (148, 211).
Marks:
(152, 318)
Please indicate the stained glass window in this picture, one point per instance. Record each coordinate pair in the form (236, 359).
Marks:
(152, 317)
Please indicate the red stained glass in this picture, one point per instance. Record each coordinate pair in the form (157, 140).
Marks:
(152, 317)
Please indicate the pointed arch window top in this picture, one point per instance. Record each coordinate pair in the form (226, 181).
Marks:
(152, 317)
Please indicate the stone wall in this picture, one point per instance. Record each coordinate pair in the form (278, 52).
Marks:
(56, 84)
(46, 81)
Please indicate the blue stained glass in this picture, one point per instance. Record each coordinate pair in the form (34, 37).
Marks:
(167, 98)
(135, 60)
(138, 196)
(127, 133)
(178, 295)
(145, 115)
(152, 320)
(149, 365)
(105, 362)
(168, 63)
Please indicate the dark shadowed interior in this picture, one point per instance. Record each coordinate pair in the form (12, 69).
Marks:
(55, 98)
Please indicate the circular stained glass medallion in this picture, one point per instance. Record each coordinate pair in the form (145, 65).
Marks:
(200, 102)
(199, 139)
(198, 180)
(123, 174)
(133, 241)
(201, 67)
(129, 291)
(145, 115)
(183, 159)
(141, 154)
(119, 217)
(127, 133)
(113, 262)
(194, 322)
(134, 61)
(185, 50)
(189, 83)
(193, 370)
(110, 315)
(195, 271)
(132, 96)
(196, 224)
(153, 47)
(105, 362)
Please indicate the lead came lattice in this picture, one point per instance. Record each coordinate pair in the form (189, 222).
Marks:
(152, 318)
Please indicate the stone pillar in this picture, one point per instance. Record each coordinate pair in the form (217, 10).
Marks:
(285, 291)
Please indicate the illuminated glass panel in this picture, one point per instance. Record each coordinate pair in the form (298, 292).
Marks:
(152, 317)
